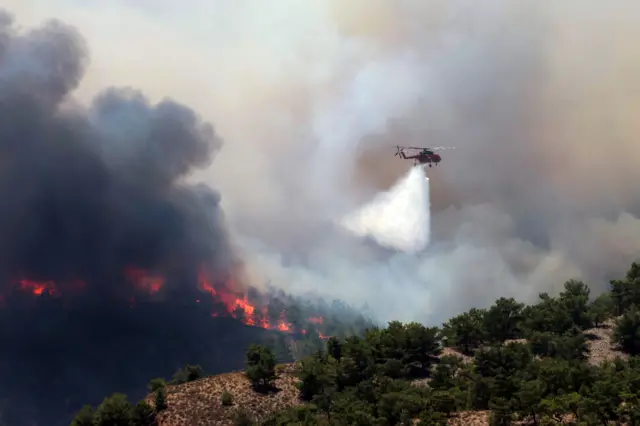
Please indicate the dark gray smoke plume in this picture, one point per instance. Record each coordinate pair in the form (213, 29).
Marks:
(89, 192)
(86, 194)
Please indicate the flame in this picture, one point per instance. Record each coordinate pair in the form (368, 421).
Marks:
(38, 288)
(238, 305)
(227, 292)
(145, 280)
(282, 324)
(231, 301)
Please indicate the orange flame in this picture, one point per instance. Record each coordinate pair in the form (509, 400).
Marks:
(235, 301)
(145, 280)
(235, 304)
(39, 287)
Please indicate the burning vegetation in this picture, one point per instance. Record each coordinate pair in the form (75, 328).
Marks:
(227, 298)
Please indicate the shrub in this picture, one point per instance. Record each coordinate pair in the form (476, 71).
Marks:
(226, 399)
(242, 418)
(186, 374)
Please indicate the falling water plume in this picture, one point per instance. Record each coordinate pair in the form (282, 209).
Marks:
(399, 218)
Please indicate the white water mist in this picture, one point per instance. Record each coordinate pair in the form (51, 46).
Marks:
(399, 218)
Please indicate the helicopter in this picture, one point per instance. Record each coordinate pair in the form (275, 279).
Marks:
(423, 155)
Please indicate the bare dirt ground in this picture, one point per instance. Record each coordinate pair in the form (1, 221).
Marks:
(601, 346)
(199, 403)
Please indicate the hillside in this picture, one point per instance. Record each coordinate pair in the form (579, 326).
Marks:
(568, 359)
(199, 402)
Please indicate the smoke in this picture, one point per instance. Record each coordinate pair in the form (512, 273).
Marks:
(97, 218)
(397, 219)
(540, 99)
(88, 192)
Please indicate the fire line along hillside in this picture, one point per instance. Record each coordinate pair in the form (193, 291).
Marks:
(567, 359)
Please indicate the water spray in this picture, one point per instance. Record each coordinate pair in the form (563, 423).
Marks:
(399, 218)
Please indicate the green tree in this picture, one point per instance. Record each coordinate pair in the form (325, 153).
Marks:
(575, 299)
(392, 405)
(155, 384)
(501, 321)
(84, 417)
(261, 367)
(143, 414)
(555, 406)
(562, 376)
(627, 332)
(602, 308)
(626, 293)
(500, 371)
(352, 406)
(357, 362)
(571, 345)
(303, 415)
(334, 348)
(442, 402)
(603, 398)
(160, 399)
(114, 410)
(529, 399)
(317, 375)
(433, 418)
(423, 346)
(466, 331)
(501, 413)
(548, 315)
(444, 375)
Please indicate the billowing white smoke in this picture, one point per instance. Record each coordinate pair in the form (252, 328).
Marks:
(399, 218)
